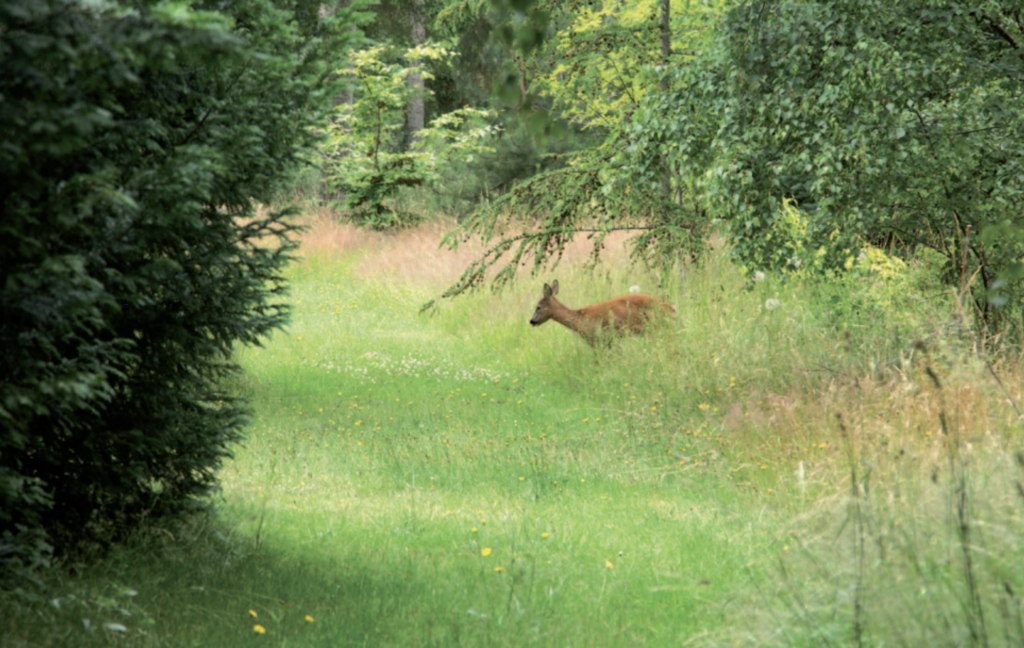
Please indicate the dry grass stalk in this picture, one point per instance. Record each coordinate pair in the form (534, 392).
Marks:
(414, 255)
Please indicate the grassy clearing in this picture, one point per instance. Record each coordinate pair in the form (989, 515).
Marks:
(785, 472)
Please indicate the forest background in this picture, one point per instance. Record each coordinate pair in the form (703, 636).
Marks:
(246, 396)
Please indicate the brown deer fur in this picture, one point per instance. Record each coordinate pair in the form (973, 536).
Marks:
(626, 314)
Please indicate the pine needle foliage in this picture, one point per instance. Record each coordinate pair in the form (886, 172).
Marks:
(136, 143)
(597, 67)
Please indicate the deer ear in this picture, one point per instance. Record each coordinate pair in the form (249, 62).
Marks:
(554, 287)
(547, 291)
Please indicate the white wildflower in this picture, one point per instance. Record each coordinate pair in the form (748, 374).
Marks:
(758, 276)
(772, 304)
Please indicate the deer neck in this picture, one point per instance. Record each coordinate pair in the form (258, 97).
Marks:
(570, 318)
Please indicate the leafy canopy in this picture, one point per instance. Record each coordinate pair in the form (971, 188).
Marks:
(893, 124)
(601, 68)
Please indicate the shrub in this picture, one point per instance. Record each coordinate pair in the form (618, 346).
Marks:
(136, 142)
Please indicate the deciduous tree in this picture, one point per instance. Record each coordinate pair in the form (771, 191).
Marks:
(892, 124)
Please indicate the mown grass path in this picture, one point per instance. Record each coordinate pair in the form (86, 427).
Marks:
(447, 481)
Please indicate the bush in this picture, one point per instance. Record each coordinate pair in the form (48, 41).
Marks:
(136, 143)
(892, 124)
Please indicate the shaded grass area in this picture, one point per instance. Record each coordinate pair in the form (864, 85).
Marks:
(400, 572)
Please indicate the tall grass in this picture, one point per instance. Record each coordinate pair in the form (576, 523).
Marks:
(920, 543)
(822, 463)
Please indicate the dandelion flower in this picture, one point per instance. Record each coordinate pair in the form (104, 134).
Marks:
(634, 289)
(609, 564)
(772, 304)
(260, 629)
(499, 569)
(253, 612)
(486, 551)
(309, 618)
(544, 535)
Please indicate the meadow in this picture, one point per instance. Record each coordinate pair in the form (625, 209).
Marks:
(804, 463)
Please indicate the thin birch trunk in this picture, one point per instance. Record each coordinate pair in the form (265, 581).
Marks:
(415, 111)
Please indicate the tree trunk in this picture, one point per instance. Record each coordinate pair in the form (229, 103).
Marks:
(666, 31)
(666, 52)
(415, 110)
(346, 97)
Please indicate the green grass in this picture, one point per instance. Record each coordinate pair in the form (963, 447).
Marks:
(462, 479)
(408, 445)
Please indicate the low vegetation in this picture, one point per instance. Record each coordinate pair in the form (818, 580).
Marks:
(808, 463)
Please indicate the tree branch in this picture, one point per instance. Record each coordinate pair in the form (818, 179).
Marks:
(998, 29)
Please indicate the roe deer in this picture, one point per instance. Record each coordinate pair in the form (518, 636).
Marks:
(626, 314)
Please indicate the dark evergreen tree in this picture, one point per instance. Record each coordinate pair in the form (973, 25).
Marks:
(136, 143)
